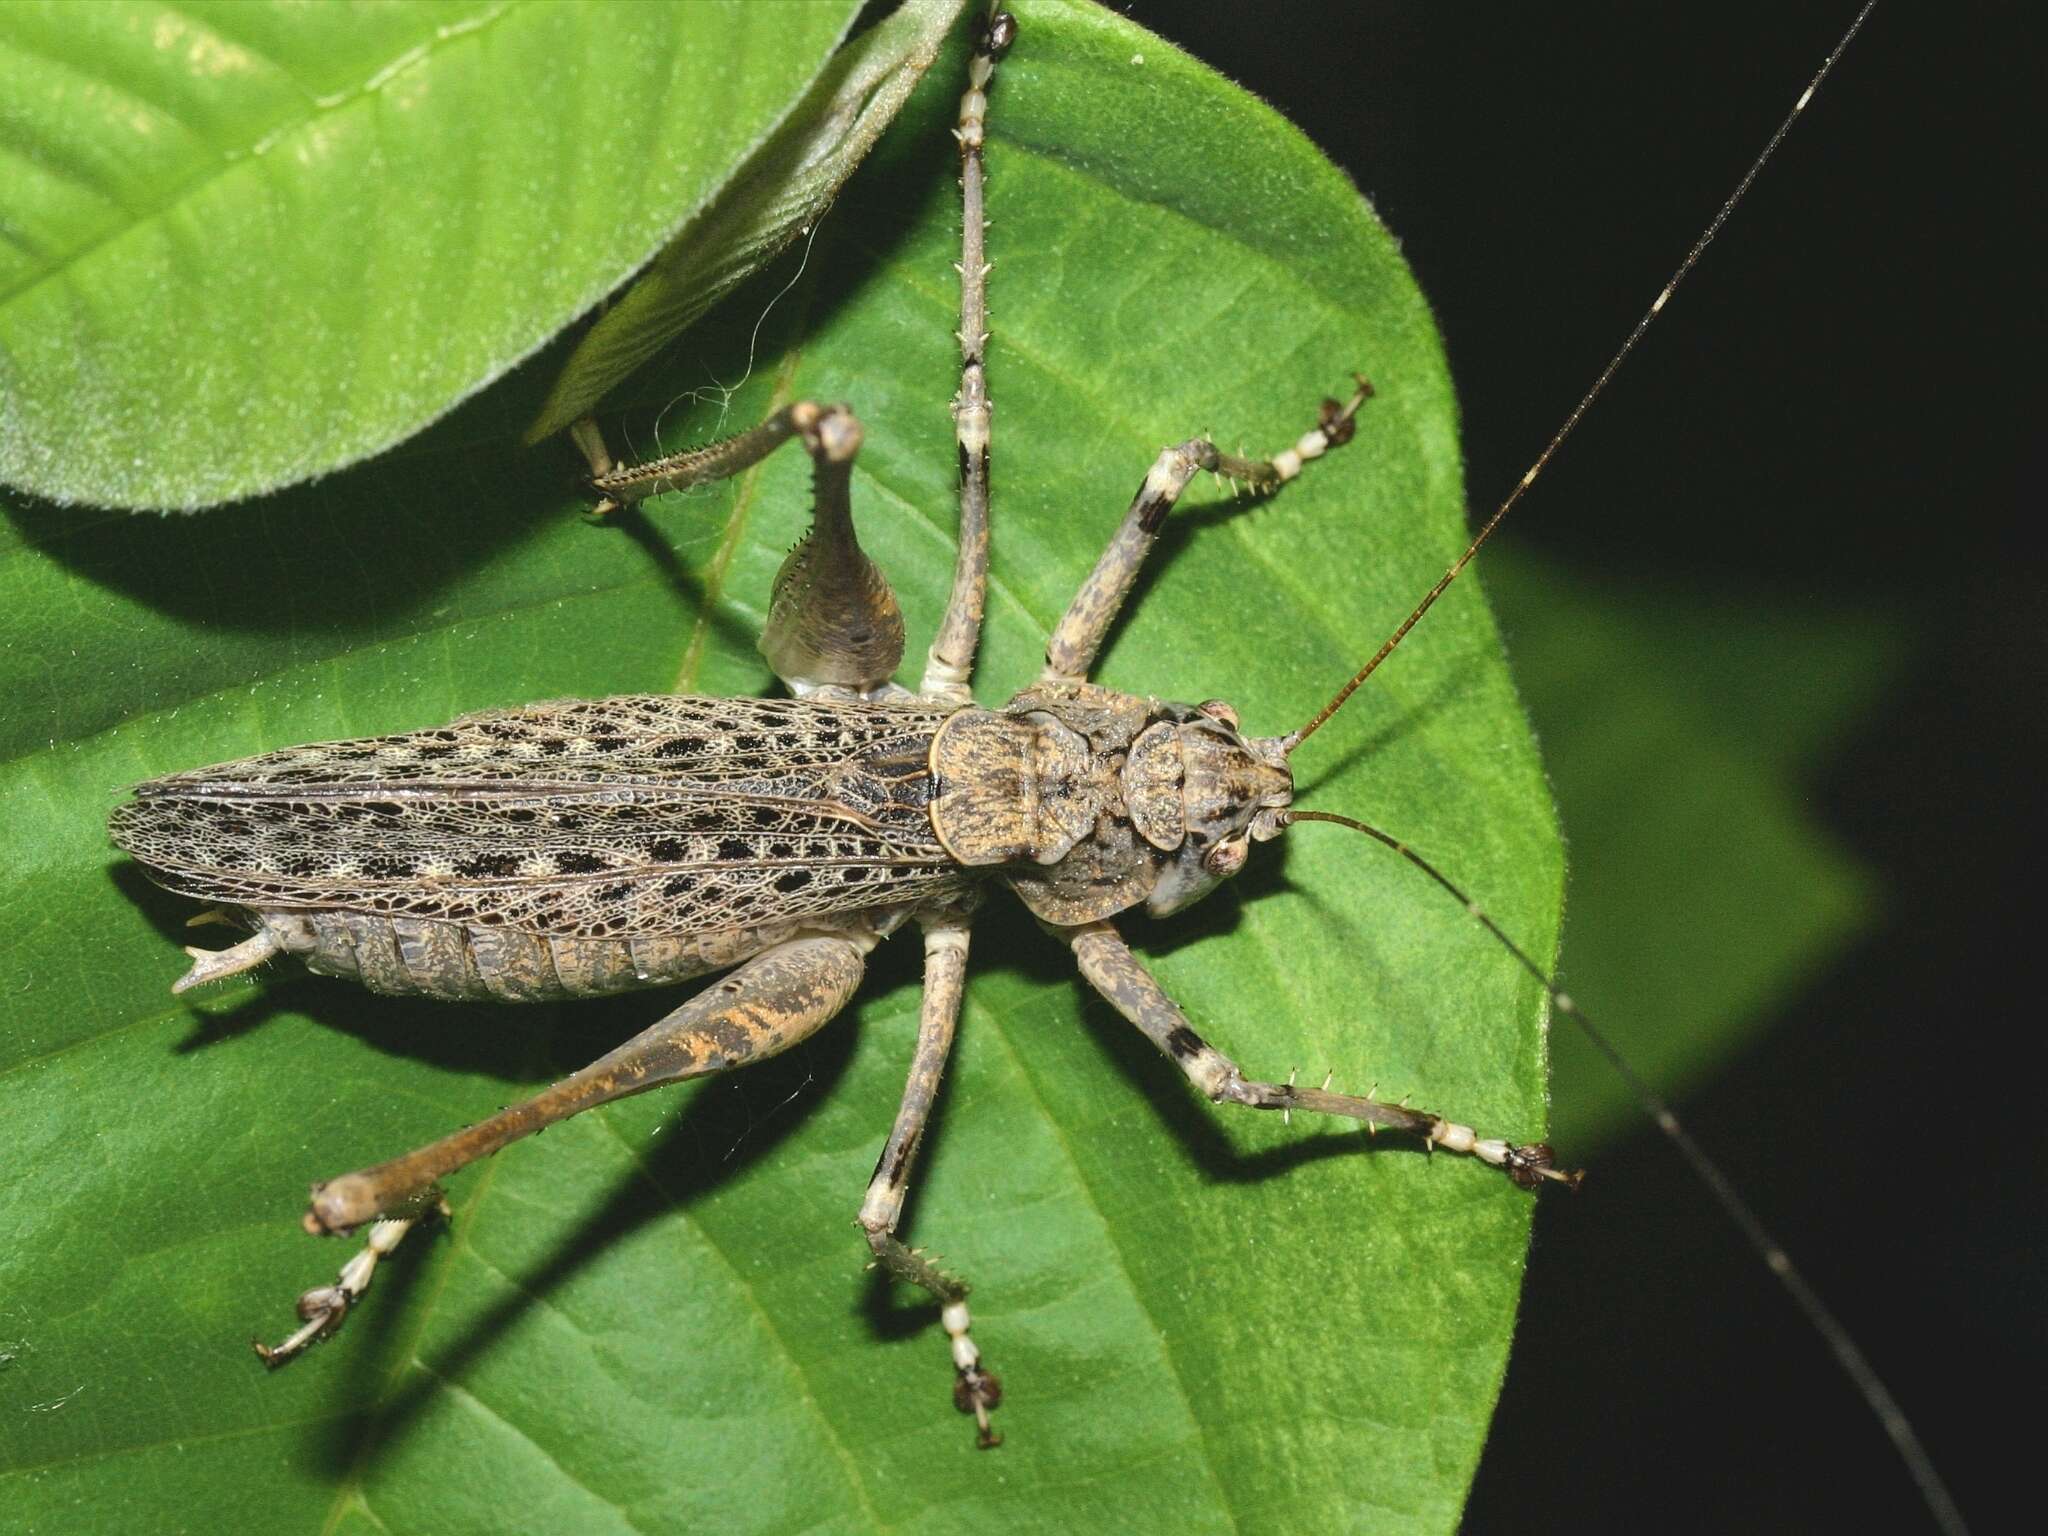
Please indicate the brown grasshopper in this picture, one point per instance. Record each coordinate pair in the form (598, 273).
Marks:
(579, 848)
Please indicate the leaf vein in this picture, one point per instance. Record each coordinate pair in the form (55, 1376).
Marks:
(999, 1028)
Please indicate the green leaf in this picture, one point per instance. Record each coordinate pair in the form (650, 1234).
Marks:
(1704, 891)
(250, 244)
(655, 1316)
(776, 197)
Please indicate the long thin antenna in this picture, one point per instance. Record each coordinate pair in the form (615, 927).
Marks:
(1876, 1395)
(1294, 739)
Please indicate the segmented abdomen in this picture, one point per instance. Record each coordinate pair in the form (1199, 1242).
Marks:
(467, 962)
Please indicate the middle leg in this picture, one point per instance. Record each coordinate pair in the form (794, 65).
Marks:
(949, 666)
(975, 1388)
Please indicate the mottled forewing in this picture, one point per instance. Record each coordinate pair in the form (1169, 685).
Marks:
(653, 814)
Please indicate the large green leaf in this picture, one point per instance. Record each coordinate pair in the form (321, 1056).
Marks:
(655, 1317)
(248, 244)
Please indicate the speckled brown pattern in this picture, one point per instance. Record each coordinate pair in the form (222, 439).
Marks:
(562, 849)
(583, 847)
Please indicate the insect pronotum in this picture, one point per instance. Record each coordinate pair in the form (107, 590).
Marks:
(496, 971)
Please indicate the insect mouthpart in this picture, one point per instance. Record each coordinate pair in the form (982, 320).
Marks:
(1229, 790)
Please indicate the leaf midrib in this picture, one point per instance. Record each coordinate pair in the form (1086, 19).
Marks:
(1219, 1484)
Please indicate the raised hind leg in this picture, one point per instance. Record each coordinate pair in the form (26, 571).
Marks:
(766, 1006)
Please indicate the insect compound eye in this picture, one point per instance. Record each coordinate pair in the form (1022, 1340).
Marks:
(1226, 859)
(1216, 709)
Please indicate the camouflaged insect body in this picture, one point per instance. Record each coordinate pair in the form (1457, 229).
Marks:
(576, 848)
(564, 849)
(584, 847)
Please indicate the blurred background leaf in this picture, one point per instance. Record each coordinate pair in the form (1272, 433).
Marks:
(1704, 892)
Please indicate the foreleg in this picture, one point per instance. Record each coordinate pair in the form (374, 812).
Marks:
(766, 1006)
(1078, 637)
(1110, 967)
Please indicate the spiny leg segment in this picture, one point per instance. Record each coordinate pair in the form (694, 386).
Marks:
(764, 1007)
(950, 664)
(975, 1389)
(1078, 637)
(620, 485)
(1110, 967)
(949, 669)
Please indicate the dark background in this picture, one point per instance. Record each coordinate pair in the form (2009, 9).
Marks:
(1830, 410)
